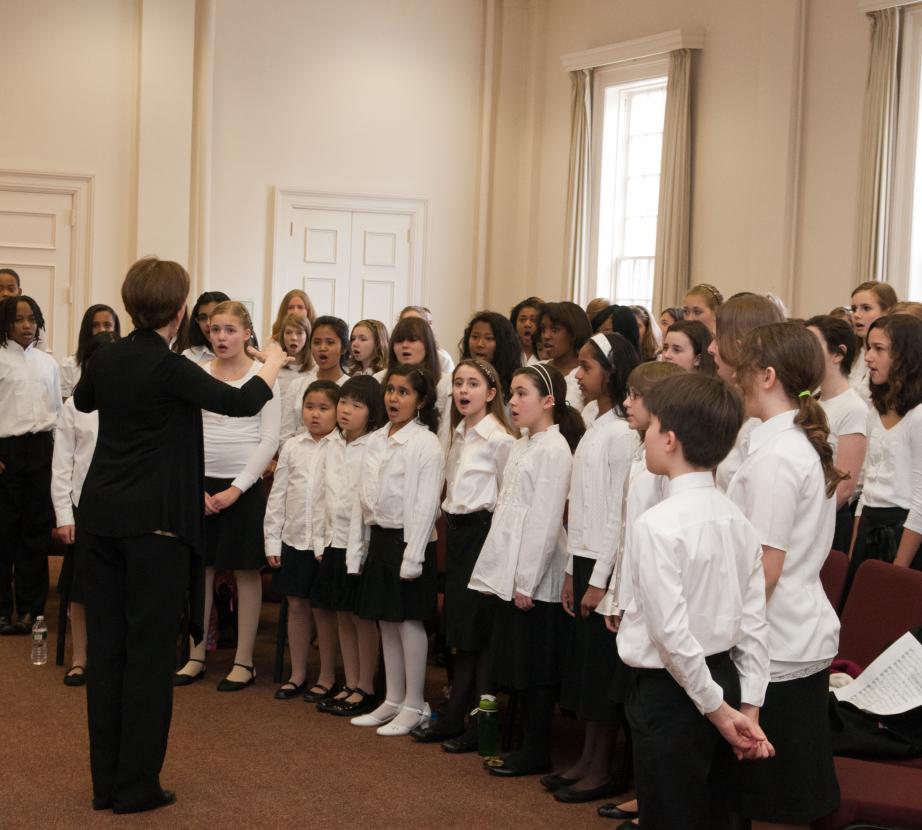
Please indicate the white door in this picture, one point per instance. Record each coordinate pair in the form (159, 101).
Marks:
(35, 241)
(353, 264)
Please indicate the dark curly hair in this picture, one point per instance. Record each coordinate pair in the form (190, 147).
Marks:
(8, 316)
(903, 389)
(508, 355)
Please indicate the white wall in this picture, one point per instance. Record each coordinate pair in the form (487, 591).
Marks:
(353, 96)
(68, 81)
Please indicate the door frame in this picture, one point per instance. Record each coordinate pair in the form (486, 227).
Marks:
(80, 189)
(417, 208)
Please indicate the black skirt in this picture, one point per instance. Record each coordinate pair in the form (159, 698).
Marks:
(591, 657)
(528, 648)
(468, 614)
(234, 537)
(799, 784)
(71, 581)
(334, 589)
(845, 522)
(382, 594)
(297, 574)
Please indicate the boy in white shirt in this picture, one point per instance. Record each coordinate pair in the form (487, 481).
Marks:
(695, 630)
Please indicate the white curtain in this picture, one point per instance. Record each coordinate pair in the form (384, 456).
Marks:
(579, 204)
(877, 144)
(671, 269)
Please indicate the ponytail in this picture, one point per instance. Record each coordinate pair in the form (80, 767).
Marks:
(569, 421)
(549, 381)
(811, 418)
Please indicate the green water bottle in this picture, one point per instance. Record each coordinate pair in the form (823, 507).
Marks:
(488, 727)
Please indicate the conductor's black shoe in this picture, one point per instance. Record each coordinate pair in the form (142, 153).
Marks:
(571, 796)
(165, 798)
(613, 811)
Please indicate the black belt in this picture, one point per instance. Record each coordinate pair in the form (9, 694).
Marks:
(459, 520)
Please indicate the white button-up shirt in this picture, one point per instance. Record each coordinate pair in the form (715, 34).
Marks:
(292, 396)
(399, 487)
(728, 467)
(781, 489)
(893, 468)
(294, 509)
(858, 378)
(74, 443)
(30, 390)
(342, 469)
(698, 590)
(525, 551)
(601, 468)
(70, 375)
(199, 355)
(475, 466)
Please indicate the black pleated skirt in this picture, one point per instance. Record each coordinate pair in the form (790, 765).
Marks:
(234, 537)
(297, 574)
(468, 614)
(334, 589)
(382, 595)
(71, 582)
(591, 657)
(528, 648)
(799, 784)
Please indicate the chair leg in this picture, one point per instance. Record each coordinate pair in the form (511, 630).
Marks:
(64, 599)
(281, 639)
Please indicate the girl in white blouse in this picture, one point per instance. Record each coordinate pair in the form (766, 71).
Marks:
(481, 440)
(890, 507)
(564, 329)
(601, 466)
(392, 542)
(97, 318)
(368, 345)
(199, 333)
(237, 452)
(786, 486)
(360, 412)
(526, 318)
(295, 339)
(491, 338)
(329, 347)
(870, 300)
(523, 559)
(74, 442)
(847, 415)
(293, 530)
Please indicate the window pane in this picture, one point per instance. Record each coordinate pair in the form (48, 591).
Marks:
(640, 237)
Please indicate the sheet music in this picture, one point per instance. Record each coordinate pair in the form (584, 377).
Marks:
(892, 684)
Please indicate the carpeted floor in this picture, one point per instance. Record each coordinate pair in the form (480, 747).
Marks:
(247, 760)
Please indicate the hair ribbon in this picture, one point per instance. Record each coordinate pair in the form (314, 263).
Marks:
(604, 344)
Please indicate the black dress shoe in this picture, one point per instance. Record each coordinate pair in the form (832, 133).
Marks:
(76, 676)
(24, 624)
(236, 685)
(516, 769)
(288, 691)
(613, 811)
(343, 708)
(325, 693)
(553, 782)
(188, 679)
(570, 796)
(466, 742)
(434, 734)
(6, 626)
(165, 798)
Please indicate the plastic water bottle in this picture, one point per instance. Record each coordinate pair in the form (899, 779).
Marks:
(39, 642)
(488, 727)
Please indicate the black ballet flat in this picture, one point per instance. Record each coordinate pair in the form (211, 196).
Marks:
(189, 679)
(570, 796)
(615, 812)
(325, 693)
(368, 703)
(283, 693)
(323, 705)
(434, 734)
(72, 678)
(553, 782)
(236, 685)
(165, 799)
(504, 768)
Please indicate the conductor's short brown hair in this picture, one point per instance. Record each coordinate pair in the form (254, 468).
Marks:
(153, 292)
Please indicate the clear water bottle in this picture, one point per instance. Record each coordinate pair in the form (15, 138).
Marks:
(488, 727)
(39, 642)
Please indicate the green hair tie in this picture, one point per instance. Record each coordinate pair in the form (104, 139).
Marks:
(805, 394)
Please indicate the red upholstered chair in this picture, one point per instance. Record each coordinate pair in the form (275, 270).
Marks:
(884, 603)
(833, 574)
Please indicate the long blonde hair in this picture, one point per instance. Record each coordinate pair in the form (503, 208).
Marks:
(379, 356)
(283, 310)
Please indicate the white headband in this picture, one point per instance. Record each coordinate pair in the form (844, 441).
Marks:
(546, 376)
(604, 345)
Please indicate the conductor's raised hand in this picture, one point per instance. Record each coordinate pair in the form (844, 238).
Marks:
(271, 354)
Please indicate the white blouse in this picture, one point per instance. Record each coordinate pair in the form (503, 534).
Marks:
(292, 399)
(70, 375)
(590, 413)
(241, 448)
(525, 550)
(74, 444)
(781, 489)
(475, 466)
(893, 468)
(399, 487)
(698, 589)
(200, 355)
(728, 467)
(295, 505)
(574, 396)
(847, 414)
(30, 390)
(858, 378)
(601, 469)
(341, 471)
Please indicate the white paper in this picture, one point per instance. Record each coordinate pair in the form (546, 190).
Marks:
(892, 684)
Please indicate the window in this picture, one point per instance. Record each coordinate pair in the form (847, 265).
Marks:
(629, 103)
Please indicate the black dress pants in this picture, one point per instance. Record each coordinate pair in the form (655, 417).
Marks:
(135, 593)
(26, 520)
(682, 765)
